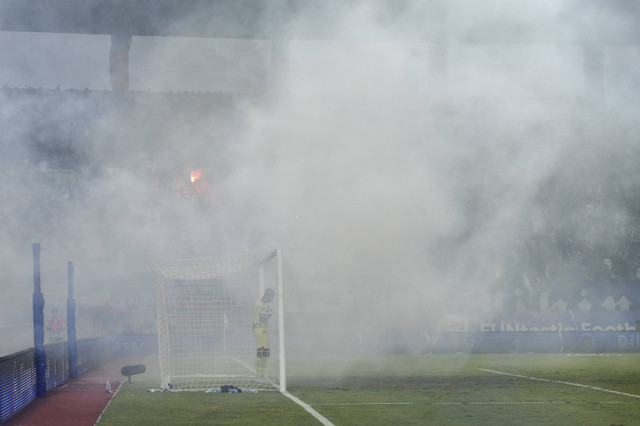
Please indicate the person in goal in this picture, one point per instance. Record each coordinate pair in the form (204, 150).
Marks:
(261, 316)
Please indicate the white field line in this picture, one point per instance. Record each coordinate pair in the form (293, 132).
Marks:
(308, 408)
(476, 403)
(110, 399)
(562, 383)
(533, 402)
(244, 364)
(247, 366)
(366, 403)
(301, 403)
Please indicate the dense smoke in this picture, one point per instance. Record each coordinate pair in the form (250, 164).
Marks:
(396, 194)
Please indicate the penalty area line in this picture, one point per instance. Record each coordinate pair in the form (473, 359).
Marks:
(346, 404)
(308, 408)
(561, 382)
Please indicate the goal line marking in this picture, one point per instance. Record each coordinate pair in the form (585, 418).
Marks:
(562, 383)
(308, 408)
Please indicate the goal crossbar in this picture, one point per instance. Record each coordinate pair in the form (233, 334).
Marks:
(208, 268)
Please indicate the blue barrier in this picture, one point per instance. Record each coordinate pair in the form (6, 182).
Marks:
(17, 382)
(18, 372)
(353, 343)
(539, 342)
(72, 345)
(38, 325)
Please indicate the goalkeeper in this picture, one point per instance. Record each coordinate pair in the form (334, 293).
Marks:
(261, 317)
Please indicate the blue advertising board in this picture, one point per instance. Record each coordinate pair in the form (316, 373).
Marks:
(545, 331)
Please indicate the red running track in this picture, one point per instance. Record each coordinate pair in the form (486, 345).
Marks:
(78, 402)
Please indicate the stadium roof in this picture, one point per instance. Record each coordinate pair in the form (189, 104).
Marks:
(610, 22)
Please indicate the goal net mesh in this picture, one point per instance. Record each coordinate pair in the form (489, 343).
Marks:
(206, 310)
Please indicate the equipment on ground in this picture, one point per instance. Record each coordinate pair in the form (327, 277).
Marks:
(131, 370)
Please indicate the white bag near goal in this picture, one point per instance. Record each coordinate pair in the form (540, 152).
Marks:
(206, 311)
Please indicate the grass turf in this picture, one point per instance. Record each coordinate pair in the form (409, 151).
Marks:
(408, 390)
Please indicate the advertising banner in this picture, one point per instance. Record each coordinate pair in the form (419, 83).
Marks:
(541, 331)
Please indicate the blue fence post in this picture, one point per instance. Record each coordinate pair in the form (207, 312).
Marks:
(38, 326)
(71, 326)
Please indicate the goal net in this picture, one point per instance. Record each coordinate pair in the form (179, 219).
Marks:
(218, 327)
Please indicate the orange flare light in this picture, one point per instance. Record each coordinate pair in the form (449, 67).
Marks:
(195, 175)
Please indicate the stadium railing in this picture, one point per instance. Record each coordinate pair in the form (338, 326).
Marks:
(18, 371)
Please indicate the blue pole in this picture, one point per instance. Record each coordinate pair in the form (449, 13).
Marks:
(38, 326)
(71, 326)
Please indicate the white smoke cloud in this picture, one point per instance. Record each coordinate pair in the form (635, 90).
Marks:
(406, 203)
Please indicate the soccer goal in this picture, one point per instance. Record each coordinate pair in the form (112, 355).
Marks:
(216, 326)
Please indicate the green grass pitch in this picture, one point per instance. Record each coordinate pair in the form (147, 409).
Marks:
(443, 389)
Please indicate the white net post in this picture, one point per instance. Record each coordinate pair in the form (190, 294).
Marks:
(261, 280)
(206, 314)
(280, 293)
(163, 334)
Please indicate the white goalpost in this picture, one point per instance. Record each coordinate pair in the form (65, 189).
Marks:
(211, 317)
